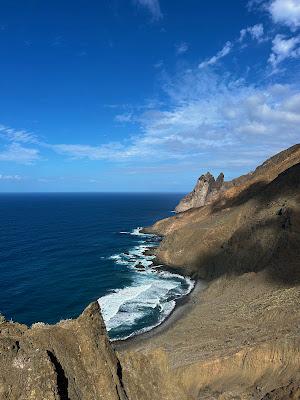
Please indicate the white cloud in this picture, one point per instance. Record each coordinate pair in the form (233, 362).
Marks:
(126, 117)
(222, 53)
(14, 135)
(19, 154)
(292, 103)
(181, 48)
(284, 48)
(110, 151)
(152, 6)
(10, 177)
(256, 32)
(252, 4)
(210, 117)
(159, 64)
(286, 12)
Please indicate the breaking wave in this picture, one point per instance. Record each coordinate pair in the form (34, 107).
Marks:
(151, 297)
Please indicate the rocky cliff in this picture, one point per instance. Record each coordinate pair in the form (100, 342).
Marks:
(209, 190)
(72, 360)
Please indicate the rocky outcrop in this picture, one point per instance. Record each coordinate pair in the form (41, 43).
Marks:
(72, 360)
(206, 190)
(242, 237)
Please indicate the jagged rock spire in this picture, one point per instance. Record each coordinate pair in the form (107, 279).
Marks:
(206, 190)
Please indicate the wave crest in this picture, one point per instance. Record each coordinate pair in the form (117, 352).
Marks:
(151, 297)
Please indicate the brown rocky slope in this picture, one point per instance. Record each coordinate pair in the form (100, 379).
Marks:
(209, 190)
(239, 338)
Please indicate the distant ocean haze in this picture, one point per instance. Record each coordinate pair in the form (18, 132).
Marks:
(59, 252)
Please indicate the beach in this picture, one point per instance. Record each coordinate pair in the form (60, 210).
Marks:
(183, 306)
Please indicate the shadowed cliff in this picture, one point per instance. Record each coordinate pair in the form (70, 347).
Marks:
(208, 190)
(239, 338)
(257, 229)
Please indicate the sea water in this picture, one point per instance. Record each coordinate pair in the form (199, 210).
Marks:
(59, 252)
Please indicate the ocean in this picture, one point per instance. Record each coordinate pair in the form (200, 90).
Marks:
(59, 252)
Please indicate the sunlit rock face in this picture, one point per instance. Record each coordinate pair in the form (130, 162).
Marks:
(70, 360)
(206, 190)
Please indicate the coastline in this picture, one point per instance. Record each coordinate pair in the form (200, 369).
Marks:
(150, 275)
(234, 335)
(182, 307)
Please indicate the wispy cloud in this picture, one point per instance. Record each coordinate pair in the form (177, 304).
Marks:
(159, 64)
(181, 48)
(213, 112)
(15, 135)
(284, 48)
(222, 53)
(256, 32)
(17, 153)
(125, 117)
(58, 41)
(210, 113)
(152, 6)
(109, 151)
(252, 4)
(10, 177)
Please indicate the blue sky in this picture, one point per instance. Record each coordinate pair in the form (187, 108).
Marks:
(144, 95)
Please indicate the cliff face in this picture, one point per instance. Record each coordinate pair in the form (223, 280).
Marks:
(69, 361)
(209, 190)
(250, 234)
(206, 190)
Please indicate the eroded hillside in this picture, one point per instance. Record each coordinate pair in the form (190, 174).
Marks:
(239, 338)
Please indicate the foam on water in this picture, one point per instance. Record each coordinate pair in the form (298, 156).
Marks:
(138, 232)
(150, 298)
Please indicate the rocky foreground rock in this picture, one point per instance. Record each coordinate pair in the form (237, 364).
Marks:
(238, 339)
(70, 360)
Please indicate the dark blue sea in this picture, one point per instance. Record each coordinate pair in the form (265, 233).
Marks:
(59, 252)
